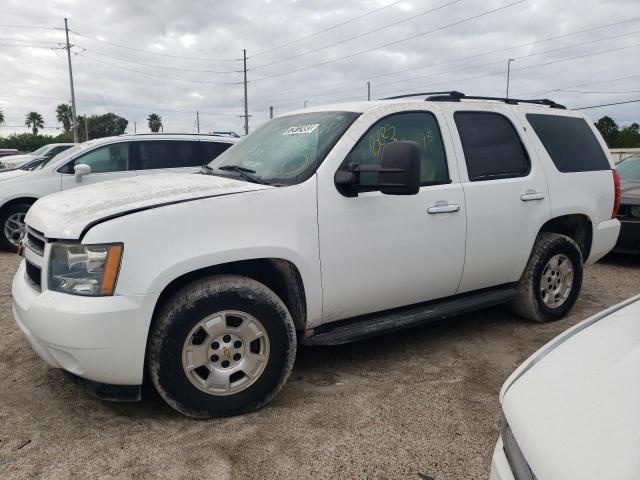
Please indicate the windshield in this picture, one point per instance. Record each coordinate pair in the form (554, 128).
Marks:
(41, 150)
(65, 153)
(629, 169)
(285, 150)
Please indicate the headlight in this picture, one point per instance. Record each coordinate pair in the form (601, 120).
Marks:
(84, 269)
(635, 211)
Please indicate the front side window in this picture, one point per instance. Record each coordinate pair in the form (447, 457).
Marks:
(491, 145)
(154, 154)
(569, 142)
(109, 158)
(419, 127)
(285, 150)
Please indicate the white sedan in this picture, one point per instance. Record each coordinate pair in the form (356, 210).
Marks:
(572, 410)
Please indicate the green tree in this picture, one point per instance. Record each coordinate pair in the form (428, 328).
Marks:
(64, 116)
(106, 125)
(1, 117)
(34, 121)
(608, 129)
(155, 122)
(629, 137)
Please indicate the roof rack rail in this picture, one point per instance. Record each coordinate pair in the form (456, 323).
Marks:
(226, 134)
(451, 93)
(511, 101)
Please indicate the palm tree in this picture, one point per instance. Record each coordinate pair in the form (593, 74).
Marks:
(35, 121)
(1, 117)
(155, 122)
(64, 116)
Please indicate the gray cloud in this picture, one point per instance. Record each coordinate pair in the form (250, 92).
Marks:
(37, 79)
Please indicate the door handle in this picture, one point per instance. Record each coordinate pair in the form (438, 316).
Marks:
(531, 195)
(443, 208)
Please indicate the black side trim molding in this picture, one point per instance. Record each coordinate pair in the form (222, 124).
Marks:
(358, 328)
(150, 207)
(107, 391)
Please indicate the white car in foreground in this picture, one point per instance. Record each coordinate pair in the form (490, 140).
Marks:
(572, 410)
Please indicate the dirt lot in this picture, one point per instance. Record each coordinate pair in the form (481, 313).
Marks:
(418, 403)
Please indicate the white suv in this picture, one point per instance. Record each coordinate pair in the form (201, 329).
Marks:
(96, 161)
(323, 226)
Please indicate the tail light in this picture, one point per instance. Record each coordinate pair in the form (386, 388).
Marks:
(616, 187)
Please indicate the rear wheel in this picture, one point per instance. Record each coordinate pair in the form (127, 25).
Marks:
(12, 225)
(552, 279)
(221, 346)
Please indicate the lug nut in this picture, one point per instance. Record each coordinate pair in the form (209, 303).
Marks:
(214, 358)
(225, 364)
(215, 345)
(237, 344)
(226, 339)
(237, 357)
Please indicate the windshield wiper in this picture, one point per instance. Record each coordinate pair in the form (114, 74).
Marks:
(245, 173)
(206, 170)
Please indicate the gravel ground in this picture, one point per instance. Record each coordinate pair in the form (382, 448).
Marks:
(419, 403)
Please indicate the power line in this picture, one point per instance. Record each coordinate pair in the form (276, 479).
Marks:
(157, 66)
(340, 42)
(498, 62)
(411, 37)
(157, 53)
(28, 40)
(30, 46)
(366, 14)
(467, 57)
(606, 104)
(582, 91)
(610, 80)
(30, 26)
(155, 75)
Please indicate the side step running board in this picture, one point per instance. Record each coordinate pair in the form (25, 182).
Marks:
(358, 328)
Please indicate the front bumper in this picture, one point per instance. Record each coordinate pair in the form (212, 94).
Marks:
(101, 339)
(629, 239)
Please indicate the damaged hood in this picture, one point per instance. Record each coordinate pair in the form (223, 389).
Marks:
(65, 215)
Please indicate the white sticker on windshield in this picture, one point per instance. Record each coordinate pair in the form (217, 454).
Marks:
(301, 129)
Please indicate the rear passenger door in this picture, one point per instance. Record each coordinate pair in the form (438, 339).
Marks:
(155, 156)
(505, 192)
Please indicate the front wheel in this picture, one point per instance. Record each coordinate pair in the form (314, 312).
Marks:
(551, 282)
(12, 225)
(221, 346)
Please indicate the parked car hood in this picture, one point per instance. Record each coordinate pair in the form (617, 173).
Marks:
(7, 174)
(575, 412)
(13, 160)
(630, 192)
(65, 215)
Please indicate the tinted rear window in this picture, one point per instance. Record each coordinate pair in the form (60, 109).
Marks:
(213, 149)
(569, 142)
(491, 145)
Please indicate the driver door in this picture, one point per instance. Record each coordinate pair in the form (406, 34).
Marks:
(107, 162)
(381, 251)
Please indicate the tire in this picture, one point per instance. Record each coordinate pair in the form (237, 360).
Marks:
(228, 306)
(8, 217)
(541, 294)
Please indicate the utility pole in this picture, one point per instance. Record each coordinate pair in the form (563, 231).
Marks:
(271, 112)
(508, 74)
(73, 95)
(198, 120)
(368, 91)
(246, 101)
(86, 128)
(305, 103)
(135, 127)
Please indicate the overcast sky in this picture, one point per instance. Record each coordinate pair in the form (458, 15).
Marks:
(174, 57)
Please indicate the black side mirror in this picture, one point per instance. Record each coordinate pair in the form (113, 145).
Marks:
(400, 168)
(399, 171)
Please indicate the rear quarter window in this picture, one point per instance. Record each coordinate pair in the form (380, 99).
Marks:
(570, 143)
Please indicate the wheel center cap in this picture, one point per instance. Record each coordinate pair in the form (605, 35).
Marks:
(226, 352)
